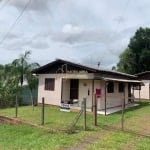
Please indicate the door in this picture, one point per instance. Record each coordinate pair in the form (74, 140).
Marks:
(74, 88)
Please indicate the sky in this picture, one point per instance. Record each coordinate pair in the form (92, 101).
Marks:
(82, 31)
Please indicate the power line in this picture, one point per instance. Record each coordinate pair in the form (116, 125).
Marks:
(15, 22)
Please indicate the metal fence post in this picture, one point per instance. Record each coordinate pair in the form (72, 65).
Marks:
(123, 107)
(42, 113)
(95, 110)
(84, 113)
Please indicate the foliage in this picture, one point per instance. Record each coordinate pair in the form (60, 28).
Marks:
(24, 72)
(12, 77)
(8, 86)
(136, 58)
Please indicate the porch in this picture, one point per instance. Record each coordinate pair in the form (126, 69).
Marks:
(108, 110)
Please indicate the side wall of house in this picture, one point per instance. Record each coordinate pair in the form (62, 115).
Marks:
(112, 99)
(51, 97)
(144, 92)
(85, 91)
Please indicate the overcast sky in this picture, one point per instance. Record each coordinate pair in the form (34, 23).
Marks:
(83, 31)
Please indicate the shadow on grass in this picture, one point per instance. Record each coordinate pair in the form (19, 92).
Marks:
(141, 105)
(111, 128)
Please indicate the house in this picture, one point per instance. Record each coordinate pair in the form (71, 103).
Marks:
(63, 81)
(144, 91)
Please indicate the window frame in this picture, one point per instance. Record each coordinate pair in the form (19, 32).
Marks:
(121, 87)
(49, 84)
(110, 87)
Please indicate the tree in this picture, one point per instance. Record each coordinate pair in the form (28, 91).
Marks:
(31, 79)
(8, 86)
(20, 66)
(136, 58)
(12, 77)
(23, 71)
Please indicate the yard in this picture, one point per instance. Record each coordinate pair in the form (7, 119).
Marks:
(54, 135)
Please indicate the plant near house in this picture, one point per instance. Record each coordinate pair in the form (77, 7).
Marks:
(8, 86)
(135, 58)
(12, 77)
(23, 71)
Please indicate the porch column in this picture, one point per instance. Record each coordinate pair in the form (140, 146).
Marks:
(133, 92)
(105, 96)
(61, 89)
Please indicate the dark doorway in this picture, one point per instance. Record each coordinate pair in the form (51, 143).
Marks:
(74, 89)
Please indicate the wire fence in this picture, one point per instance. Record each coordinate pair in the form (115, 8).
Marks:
(136, 119)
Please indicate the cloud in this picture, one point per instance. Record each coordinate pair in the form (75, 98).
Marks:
(73, 34)
(70, 29)
(39, 44)
(70, 34)
(35, 5)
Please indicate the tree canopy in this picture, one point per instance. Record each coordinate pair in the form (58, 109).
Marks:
(12, 77)
(136, 57)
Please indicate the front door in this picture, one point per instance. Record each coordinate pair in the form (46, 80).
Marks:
(74, 88)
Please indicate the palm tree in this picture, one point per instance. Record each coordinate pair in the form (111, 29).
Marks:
(31, 79)
(20, 66)
(23, 71)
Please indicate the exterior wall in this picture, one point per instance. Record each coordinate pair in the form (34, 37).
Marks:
(85, 90)
(98, 85)
(66, 90)
(112, 99)
(51, 97)
(54, 97)
(144, 92)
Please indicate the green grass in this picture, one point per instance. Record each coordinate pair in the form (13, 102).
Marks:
(56, 119)
(25, 137)
(121, 140)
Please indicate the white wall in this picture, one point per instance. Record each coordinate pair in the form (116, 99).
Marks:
(85, 85)
(112, 99)
(54, 97)
(51, 97)
(144, 93)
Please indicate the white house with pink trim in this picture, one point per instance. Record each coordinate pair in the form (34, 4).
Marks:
(67, 82)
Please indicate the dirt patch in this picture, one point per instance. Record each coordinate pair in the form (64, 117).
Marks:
(15, 121)
(8, 120)
(88, 141)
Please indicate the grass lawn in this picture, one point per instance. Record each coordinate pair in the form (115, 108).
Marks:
(25, 137)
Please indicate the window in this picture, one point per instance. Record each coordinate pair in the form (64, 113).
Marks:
(136, 87)
(50, 84)
(110, 87)
(121, 87)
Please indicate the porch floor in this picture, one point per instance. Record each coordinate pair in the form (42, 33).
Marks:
(108, 110)
(116, 109)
